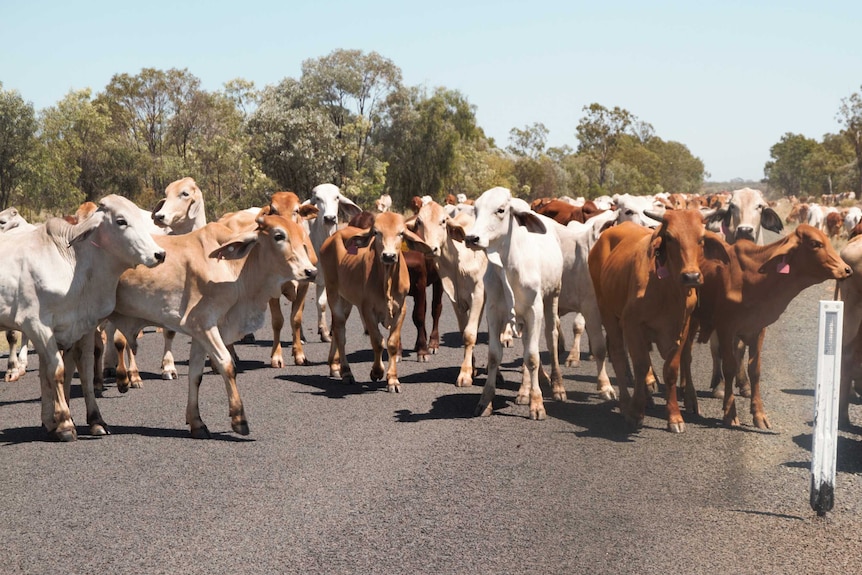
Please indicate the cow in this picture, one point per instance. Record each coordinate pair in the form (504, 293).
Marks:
(461, 271)
(10, 219)
(182, 209)
(59, 282)
(851, 219)
(330, 202)
(798, 213)
(422, 273)
(214, 287)
(383, 203)
(646, 285)
(13, 222)
(632, 209)
(833, 223)
(520, 288)
(740, 298)
(851, 360)
(564, 212)
(364, 268)
(745, 216)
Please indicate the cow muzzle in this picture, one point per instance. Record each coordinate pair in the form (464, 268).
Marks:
(744, 233)
(310, 273)
(389, 258)
(691, 279)
(472, 241)
(331, 220)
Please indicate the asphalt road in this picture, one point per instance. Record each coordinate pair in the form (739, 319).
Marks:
(351, 479)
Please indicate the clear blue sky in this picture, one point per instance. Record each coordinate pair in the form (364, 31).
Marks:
(727, 79)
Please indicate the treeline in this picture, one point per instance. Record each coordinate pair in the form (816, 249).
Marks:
(348, 119)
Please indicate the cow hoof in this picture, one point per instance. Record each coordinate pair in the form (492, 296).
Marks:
(522, 400)
(573, 363)
(607, 393)
(745, 391)
(718, 392)
(560, 396)
(483, 410)
(122, 387)
(422, 358)
(99, 392)
(300, 360)
(433, 350)
(377, 375)
(730, 421)
(348, 379)
(676, 427)
(634, 423)
(99, 429)
(136, 384)
(65, 435)
(277, 362)
(464, 380)
(201, 432)
(324, 336)
(12, 375)
(762, 422)
(394, 387)
(538, 414)
(168, 375)
(241, 427)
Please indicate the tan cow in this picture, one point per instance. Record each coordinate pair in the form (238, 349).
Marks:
(59, 281)
(215, 289)
(363, 268)
(182, 209)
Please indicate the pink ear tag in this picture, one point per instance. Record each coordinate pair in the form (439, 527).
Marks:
(661, 271)
(352, 248)
(783, 266)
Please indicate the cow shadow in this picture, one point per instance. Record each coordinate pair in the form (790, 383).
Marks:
(451, 406)
(848, 452)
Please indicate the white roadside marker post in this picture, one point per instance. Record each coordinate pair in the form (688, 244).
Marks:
(825, 442)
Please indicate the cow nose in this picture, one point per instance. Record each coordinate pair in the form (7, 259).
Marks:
(160, 256)
(388, 257)
(158, 217)
(471, 240)
(745, 232)
(330, 219)
(311, 273)
(847, 271)
(691, 278)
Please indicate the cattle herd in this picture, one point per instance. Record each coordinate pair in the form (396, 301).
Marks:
(641, 273)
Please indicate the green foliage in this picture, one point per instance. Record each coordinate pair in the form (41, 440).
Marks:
(850, 116)
(18, 145)
(788, 169)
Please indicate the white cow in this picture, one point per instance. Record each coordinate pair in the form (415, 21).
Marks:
(329, 201)
(13, 222)
(520, 288)
(383, 203)
(577, 294)
(631, 209)
(851, 219)
(10, 220)
(59, 282)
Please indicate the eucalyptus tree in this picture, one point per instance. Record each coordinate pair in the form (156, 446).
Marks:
(599, 133)
(18, 128)
(788, 170)
(850, 116)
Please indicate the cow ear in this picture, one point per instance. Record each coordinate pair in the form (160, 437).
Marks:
(416, 243)
(456, 230)
(786, 248)
(716, 217)
(195, 209)
(531, 221)
(411, 222)
(347, 208)
(770, 220)
(159, 205)
(308, 211)
(360, 240)
(714, 248)
(237, 247)
(83, 229)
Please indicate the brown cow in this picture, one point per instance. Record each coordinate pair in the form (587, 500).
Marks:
(834, 224)
(768, 277)
(798, 213)
(364, 268)
(564, 212)
(646, 286)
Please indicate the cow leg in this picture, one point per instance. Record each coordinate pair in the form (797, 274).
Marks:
(338, 364)
(638, 347)
(436, 312)
(468, 324)
(672, 359)
(13, 367)
(574, 357)
(617, 354)
(99, 362)
(743, 382)
(169, 370)
(727, 347)
(686, 380)
(120, 343)
(276, 357)
(220, 356)
(593, 324)
(197, 359)
(110, 360)
(378, 372)
(761, 421)
(393, 342)
(716, 382)
(297, 305)
(322, 330)
(56, 417)
(530, 392)
(496, 323)
(419, 290)
(552, 334)
(83, 356)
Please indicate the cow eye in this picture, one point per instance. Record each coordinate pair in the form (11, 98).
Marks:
(501, 210)
(185, 194)
(121, 221)
(816, 244)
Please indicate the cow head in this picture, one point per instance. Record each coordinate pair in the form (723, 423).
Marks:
(744, 216)
(631, 209)
(807, 252)
(10, 219)
(432, 225)
(181, 207)
(496, 212)
(678, 244)
(288, 204)
(387, 236)
(330, 202)
(284, 246)
(118, 227)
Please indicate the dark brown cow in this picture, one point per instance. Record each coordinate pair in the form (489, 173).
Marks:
(646, 285)
(768, 277)
(834, 224)
(564, 212)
